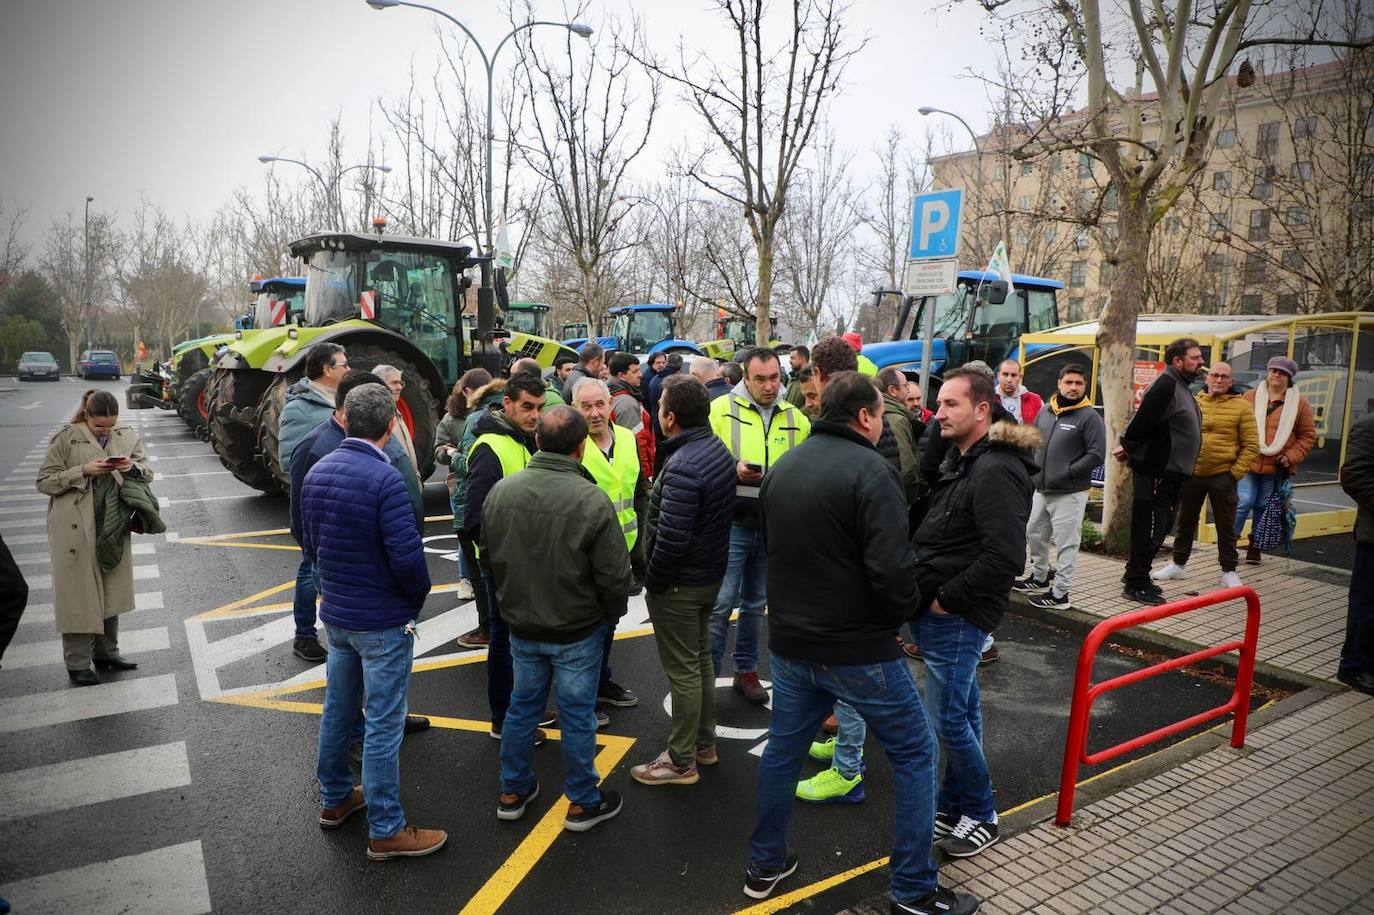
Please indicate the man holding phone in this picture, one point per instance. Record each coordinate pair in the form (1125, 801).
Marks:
(758, 427)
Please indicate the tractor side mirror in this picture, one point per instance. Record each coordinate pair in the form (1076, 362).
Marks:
(997, 292)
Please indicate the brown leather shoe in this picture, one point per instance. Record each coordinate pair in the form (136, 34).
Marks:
(410, 842)
(749, 685)
(333, 817)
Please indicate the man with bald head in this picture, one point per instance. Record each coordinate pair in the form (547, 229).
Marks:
(707, 371)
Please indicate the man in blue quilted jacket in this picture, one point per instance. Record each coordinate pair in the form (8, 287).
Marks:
(688, 543)
(359, 533)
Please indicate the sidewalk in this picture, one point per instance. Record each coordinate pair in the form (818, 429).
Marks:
(1284, 825)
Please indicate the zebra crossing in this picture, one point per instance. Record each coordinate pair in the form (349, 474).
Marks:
(51, 777)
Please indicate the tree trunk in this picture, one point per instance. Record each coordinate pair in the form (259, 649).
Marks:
(1116, 363)
(763, 331)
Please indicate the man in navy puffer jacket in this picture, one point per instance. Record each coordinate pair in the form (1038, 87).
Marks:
(688, 542)
(358, 531)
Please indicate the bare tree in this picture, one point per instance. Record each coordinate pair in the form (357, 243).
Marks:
(66, 267)
(1152, 147)
(159, 283)
(762, 109)
(901, 175)
(12, 250)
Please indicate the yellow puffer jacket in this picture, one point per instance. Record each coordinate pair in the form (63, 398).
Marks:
(1230, 441)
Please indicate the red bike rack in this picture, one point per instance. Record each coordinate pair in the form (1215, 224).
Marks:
(1084, 691)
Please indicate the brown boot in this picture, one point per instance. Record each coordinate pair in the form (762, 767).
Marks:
(753, 690)
(333, 817)
(1252, 555)
(410, 842)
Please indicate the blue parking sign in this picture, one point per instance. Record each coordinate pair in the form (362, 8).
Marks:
(935, 224)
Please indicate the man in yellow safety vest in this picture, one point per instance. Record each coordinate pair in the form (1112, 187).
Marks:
(758, 427)
(612, 459)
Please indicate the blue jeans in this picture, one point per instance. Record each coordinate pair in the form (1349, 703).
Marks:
(849, 740)
(744, 586)
(885, 695)
(500, 674)
(950, 648)
(573, 668)
(604, 675)
(303, 609)
(1253, 491)
(376, 664)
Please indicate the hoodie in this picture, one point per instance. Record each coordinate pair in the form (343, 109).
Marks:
(1074, 444)
(1024, 405)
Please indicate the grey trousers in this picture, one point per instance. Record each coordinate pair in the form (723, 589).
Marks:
(78, 648)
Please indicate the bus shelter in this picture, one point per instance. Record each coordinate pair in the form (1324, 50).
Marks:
(1335, 357)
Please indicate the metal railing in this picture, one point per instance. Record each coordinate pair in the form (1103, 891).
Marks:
(1085, 692)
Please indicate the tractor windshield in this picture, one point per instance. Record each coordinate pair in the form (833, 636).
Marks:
(526, 321)
(638, 331)
(739, 330)
(409, 292)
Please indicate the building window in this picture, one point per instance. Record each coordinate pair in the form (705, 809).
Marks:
(1027, 168)
(1291, 260)
(1263, 187)
(1250, 304)
(1254, 268)
(1287, 304)
(1267, 140)
(1086, 196)
(1051, 232)
(1226, 138)
(1054, 200)
(1022, 238)
(1081, 240)
(1085, 165)
(1259, 225)
(1109, 198)
(1296, 216)
(1075, 308)
(1305, 128)
(1023, 203)
(1078, 274)
(1300, 171)
(1218, 224)
(1214, 262)
(999, 171)
(1056, 165)
(1111, 230)
(1172, 225)
(1221, 181)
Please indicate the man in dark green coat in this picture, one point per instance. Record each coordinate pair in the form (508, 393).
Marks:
(893, 382)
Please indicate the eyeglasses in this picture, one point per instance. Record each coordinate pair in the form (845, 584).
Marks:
(1218, 375)
(339, 365)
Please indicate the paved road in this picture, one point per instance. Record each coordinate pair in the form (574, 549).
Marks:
(187, 785)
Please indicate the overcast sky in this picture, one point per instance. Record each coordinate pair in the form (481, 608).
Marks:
(175, 99)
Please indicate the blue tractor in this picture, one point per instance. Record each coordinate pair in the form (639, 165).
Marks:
(979, 320)
(644, 330)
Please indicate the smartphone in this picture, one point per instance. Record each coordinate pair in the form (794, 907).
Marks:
(757, 468)
(117, 459)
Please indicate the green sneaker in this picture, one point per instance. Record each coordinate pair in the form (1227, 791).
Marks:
(822, 750)
(830, 787)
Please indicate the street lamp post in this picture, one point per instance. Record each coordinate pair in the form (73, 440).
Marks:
(926, 110)
(485, 356)
(86, 258)
(332, 199)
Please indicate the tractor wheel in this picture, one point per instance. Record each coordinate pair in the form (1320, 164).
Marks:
(193, 404)
(233, 396)
(269, 424)
(418, 408)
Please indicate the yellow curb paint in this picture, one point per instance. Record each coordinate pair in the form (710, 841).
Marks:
(228, 609)
(536, 844)
(242, 546)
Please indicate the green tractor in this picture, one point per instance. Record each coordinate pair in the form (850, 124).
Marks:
(527, 318)
(384, 298)
(733, 334)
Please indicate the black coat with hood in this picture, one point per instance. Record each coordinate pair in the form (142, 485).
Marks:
(971, 544)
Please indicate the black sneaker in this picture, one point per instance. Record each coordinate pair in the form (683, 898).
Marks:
(941, 902)
(944, 824)
(969, 837)
(602, 719)
(580, 819)
(758, 885)
(539, 736)
(416, 723)
(309, 650)
(550, 719)
(1051, 601)
(1152, 596)
(1028, 583)
(612, 693)
(512, 806)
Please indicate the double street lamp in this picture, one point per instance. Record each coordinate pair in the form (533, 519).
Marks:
(330, 188)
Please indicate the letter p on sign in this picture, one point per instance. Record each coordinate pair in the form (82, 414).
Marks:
(935, 219)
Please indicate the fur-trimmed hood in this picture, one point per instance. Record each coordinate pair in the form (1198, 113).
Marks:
(496, 387)
(1021, 436)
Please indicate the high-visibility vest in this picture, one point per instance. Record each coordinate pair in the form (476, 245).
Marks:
(512, 455)
(617, 477)
(866, 366)
(738, 424)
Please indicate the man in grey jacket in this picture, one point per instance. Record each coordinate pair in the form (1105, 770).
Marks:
(1074, 441)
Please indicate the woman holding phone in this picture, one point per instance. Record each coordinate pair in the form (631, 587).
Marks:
(86, 600)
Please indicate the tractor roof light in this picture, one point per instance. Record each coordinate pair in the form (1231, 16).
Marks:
(292, 332)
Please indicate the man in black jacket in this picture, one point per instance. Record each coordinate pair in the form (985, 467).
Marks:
(841, 579)
(1161, 444)
(1356, 668)
(687, 540)
(969, 548)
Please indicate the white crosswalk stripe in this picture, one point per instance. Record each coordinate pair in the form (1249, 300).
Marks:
(165, 880)
(41, 654)
(92, 780)
(43, 613)
(36, 710)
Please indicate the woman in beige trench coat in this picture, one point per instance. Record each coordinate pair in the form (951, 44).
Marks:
(86, 601)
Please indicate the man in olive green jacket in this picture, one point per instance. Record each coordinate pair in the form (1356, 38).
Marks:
(1230, 444)
(894, 384)
(551, 512)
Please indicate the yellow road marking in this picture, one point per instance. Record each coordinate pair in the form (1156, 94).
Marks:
(536, 844)
(228, 609)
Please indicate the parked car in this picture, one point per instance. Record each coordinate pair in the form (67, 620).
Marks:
(39, 366)
(98, 363)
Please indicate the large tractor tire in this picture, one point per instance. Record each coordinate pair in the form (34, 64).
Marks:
(233, 396)
(269, 424)
(193, 402)
(418, 408)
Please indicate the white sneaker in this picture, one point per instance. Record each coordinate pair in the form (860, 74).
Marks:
(1172, 572)
(1230, 580)
(464, 591)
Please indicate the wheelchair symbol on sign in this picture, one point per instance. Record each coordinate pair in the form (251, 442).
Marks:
(727, 732)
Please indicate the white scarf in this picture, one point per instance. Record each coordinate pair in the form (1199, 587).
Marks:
(1287, 417)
